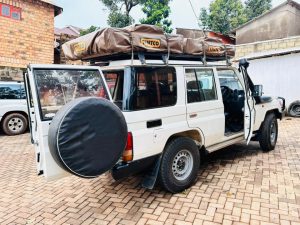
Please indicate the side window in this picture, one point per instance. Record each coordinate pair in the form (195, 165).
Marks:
(201, 85)
(155, 87)
(115, 83)
(229, 82)
(12, 91)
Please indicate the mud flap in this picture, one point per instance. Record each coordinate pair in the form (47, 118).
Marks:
(150, 178)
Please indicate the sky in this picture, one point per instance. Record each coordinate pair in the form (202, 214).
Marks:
(85, 13)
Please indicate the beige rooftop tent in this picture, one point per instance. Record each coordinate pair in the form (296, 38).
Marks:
(111, 43)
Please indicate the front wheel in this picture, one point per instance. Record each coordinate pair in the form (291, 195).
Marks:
(179, 165)
(269, 133)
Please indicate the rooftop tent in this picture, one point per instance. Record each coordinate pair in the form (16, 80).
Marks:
(113, 42)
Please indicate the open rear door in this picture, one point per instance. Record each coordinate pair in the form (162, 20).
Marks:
(50, 87)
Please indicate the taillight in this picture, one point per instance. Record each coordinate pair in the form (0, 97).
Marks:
(128, 153)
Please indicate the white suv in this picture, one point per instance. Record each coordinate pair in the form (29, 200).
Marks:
(13, 108)
(163, 117)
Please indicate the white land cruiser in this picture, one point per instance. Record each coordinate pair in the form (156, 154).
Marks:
(163, 116)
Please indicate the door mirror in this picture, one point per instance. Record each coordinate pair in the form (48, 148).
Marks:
(258, 90)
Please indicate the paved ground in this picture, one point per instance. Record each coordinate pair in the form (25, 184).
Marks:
(237, 185)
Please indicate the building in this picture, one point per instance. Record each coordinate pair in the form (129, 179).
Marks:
(27, 31)
(194, 33)
(276, 29)
(271, 43)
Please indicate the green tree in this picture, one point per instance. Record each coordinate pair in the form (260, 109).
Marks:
(204, 18)
(224, 15)
(119, 15)
(88, 30)
(255, 8)
(157, 13)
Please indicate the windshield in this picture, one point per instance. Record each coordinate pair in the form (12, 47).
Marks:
(57, 87)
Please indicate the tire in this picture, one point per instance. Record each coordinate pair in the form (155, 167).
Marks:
(14, 124)
(294, 109)
(87, 136)
(183, 153)
(269, 133)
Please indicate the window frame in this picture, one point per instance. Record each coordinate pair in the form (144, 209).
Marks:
(12, 9)
(196, 78)
(131, 82)
(43, 119)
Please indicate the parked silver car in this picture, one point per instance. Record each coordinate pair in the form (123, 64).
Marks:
(13, 108)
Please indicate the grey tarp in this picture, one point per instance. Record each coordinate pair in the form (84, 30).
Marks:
(141, 38)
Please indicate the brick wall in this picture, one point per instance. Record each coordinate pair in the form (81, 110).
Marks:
(246, 49)
(29, 40)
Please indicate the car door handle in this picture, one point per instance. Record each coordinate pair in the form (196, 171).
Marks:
(193, 115)
(154, 123)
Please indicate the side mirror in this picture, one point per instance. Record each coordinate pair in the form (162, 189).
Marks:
(258, 91)
(244, 63)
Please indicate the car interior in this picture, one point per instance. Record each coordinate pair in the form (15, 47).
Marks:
(233, 99)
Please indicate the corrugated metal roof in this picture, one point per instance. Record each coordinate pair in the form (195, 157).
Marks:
(271, 53)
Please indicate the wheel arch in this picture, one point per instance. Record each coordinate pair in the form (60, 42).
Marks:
(194, 134)
(16, 111)
(278, 114)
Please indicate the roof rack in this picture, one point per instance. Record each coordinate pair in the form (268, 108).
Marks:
(165, 57)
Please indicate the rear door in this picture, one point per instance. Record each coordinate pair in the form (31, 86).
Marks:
(205, 109)
(48, 88)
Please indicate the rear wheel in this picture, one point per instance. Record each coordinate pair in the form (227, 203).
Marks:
(269, 133)
(179, 165)
(14, 124)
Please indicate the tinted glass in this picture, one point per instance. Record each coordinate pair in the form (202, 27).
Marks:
(12, 91)
(58, 87)
(153, 87)
(200, 85)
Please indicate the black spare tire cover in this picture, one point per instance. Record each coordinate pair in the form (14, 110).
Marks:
(87, 136)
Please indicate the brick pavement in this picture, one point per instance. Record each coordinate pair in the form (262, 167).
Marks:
(237, 185)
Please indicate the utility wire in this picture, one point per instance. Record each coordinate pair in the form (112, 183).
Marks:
(197, 18)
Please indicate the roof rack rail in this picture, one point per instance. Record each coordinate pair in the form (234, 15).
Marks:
(144, 56)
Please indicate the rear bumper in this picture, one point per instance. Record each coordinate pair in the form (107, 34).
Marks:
(122, 170)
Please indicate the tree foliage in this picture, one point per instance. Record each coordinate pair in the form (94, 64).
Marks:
(157, 13)
(88, 30)
(119, 15)
(204, 18)
(224, 15)
(255, 8)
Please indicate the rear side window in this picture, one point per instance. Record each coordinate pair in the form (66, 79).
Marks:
(12, 91)
(201, 85)
(153, 87)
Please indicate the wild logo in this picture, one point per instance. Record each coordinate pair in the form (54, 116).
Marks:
(150, 43)
(214, 49)
(79, 47)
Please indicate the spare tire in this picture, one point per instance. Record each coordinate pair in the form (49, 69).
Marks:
(88, 136)
(294, 109)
